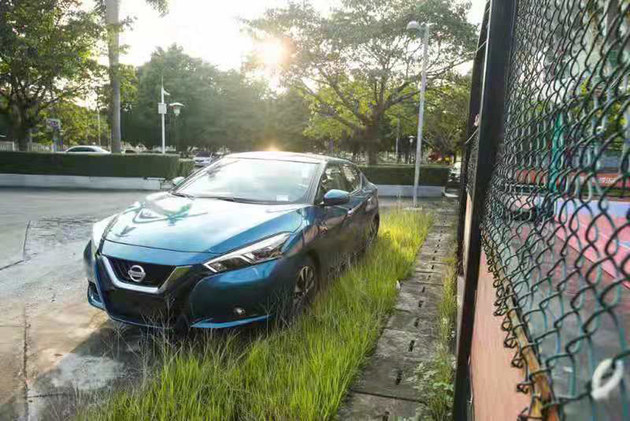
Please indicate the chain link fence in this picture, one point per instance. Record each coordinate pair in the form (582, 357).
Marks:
(556, 221)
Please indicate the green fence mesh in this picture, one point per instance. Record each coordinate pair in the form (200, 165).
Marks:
(556, 227)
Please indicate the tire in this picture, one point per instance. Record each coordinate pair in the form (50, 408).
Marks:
(372, 233)
(305, 286)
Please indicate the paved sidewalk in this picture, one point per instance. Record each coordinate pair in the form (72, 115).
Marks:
(385, 390)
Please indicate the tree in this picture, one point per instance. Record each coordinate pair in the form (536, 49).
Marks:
(220, 108)
(446, 115)
(46, 56)
(357, 62)
(189, 81)
(111, 11)
(286, 122)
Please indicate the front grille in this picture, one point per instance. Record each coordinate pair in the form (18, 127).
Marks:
(142, 308)
(155, 274)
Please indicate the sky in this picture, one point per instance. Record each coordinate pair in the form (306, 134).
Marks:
(208, 29)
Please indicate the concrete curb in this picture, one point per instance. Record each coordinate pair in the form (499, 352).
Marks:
(81, 182)
(386, 388)
(391, 190)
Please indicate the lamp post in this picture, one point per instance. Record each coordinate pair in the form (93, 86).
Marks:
(415, 26)
(162, 112)
(177, 108)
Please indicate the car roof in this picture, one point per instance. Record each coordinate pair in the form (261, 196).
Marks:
(288, 156)
(85, 146)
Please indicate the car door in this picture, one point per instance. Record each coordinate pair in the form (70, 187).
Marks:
(357, 217)
(334, 235)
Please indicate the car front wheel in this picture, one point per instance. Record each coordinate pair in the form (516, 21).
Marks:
(306, 281)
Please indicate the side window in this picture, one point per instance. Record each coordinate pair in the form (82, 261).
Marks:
(332, 178)
(353, 178)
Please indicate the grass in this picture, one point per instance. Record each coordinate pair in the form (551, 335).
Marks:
(437, 376)
(302, 371)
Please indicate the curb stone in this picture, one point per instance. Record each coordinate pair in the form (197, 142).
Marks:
(386, 388)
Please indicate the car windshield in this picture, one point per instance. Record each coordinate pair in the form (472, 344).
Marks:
(252, 180)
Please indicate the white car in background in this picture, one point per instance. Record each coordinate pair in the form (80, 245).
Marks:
(87, 149)
(203, 159)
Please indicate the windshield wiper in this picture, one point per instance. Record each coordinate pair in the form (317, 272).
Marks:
(231, 199)
(187, 196)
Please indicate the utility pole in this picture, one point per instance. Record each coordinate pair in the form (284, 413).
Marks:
(162, 112)
(413, 25)
(98, 123)
(397, 138)
(423, 88)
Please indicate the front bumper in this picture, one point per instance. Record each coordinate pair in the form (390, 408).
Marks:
(197, 299)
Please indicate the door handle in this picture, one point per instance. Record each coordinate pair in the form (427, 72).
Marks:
(353, 210)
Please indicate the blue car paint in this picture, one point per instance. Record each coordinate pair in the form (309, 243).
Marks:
(190, 231)
(165, 221)
(154, 255)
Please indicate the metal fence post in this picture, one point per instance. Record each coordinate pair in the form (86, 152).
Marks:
(471, 129)
(490, 132)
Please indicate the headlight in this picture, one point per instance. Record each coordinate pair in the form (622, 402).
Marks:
(97, 232)
(259, 252)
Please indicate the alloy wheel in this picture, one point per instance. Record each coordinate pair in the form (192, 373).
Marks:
(372, 233)
(304, 286)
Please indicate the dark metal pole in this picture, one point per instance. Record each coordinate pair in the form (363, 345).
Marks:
(473, 110)
(491, 128)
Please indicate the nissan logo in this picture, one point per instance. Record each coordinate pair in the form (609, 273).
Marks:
(136, 273)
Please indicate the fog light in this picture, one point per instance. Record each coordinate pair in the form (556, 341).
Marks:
(240, 312)
(94, 295)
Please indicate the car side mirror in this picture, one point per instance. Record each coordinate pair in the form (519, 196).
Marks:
(336, 197)
(177, 181)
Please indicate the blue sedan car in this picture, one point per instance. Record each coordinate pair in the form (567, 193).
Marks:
(246, 239)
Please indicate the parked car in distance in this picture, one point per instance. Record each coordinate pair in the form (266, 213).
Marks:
(203, 158)
(247, 239)
(455, 172)
(87, 149)
(129, 151)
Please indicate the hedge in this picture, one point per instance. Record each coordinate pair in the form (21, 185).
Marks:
(170, 166)
(186, 167)
(93, 165)
(430, 175)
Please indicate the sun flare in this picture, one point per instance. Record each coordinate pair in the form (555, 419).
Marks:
(272, 52)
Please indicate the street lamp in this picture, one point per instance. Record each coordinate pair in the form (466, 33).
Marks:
(162, 112)
(177, 108)
(415, 26)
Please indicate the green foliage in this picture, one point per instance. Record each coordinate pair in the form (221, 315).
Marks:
(79, 124)
(301, 372)
(430, 175)
(436, 377)
(185, 167)
(46, 55)
(220, 108)
(357, 61)
(93, 165)
(446, 111)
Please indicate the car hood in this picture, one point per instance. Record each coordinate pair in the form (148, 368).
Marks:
(176, 223)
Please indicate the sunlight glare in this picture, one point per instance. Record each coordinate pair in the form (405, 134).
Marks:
(272, 53)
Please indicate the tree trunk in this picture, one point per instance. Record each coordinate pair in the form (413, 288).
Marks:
(18, 128)
(112, 19)
(372, 144)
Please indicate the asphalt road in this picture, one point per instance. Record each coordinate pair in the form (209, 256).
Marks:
(54, 348)
(52, 343)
